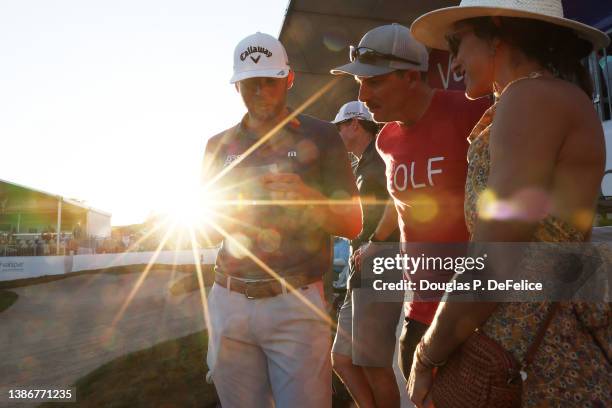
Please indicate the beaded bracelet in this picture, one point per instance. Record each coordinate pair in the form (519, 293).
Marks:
(424, 359)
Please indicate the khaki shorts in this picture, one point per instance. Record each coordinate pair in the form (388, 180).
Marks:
(366, 329)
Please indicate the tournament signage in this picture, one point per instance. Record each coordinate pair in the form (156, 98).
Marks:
(440, 72)
(11, 266)
(32, 266)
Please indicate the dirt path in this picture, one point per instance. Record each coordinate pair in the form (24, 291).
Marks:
(59, 331)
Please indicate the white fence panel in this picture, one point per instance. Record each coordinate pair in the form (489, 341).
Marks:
(21, 267)
(12, 268)
(101, 261)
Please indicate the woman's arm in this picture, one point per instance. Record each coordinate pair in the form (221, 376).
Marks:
(523, 156)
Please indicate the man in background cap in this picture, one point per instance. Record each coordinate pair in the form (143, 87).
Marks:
(424, 146)
(362, 354)
(269, 333)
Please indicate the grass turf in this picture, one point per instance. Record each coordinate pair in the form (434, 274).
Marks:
(167, 375)
(7, 298)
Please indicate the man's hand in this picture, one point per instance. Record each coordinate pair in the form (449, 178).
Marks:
(357, 255)
(291, 186)
(419, 384)
(337, 217)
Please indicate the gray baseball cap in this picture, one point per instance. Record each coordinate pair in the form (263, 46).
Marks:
(385, 49)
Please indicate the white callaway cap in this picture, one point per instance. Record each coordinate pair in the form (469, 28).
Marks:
(260, 55)
(353, 109)
(383, 50)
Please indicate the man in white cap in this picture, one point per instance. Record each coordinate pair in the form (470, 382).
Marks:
(362, 353)
(424, 146)
(269, 336)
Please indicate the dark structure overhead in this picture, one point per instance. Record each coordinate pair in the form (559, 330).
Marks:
(317, 33)
(597, 13)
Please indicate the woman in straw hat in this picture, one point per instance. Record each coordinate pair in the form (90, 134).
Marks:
(536, 161)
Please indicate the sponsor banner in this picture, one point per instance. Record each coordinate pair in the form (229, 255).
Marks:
(497, 272)
(12, 268)
(22, 267)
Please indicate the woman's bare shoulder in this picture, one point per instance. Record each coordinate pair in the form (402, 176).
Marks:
(558, 112)
(560, 104)
(547, 94)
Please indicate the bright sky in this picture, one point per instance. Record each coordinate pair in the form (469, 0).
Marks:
(112, 101)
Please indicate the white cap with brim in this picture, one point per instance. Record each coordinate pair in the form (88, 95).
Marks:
(431, 28)
(392, 40)
(260, 55)
(266, 73)
(351, 110)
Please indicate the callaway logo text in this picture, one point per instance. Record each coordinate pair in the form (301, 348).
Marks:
(354, 114)
(252, 50)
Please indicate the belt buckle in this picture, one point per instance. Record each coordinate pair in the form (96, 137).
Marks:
(246, 290)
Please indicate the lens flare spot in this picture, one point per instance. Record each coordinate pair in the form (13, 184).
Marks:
(531, 204)
(335, 40)
(269, 240)
(108, 338)
(583, 219)
(242, 202)
(239, 246)
(339, 208)
(186, 208)
(307, 151)
(424, 208)
(492, 208)
(487, 203)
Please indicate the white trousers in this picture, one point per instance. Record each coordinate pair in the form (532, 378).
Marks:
(270, 352)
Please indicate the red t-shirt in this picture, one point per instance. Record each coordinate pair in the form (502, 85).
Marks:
(426, 166)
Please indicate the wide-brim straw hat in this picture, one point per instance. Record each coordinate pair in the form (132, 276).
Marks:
(431, 28)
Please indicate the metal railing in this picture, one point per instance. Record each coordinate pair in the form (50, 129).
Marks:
(29, 250)
(600, 67)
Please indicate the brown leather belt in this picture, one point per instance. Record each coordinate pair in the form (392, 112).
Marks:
(264, 288)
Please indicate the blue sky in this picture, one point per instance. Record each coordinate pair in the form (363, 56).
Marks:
(112, 101)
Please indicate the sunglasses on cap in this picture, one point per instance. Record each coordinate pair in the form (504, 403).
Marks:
(370, 56)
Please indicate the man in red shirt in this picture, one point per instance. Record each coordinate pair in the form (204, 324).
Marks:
(424, 146)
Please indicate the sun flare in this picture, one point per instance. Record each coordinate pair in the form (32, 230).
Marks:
(192, 209)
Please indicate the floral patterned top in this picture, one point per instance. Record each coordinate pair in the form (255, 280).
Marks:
(571, 367)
